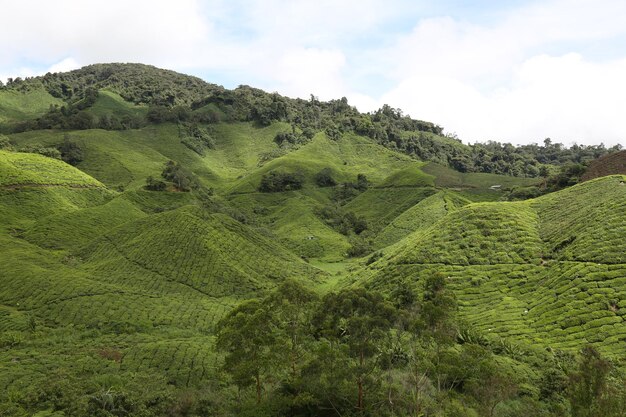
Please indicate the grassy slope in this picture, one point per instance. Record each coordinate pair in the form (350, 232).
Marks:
(148, 274)
(474, 186)
(497, 256)
(346, 157)
(150, 286)
(420, 216)
(291, 215)
(110, 103)
(211, 253)
(17, 106)
(21, 169)
(586, 222)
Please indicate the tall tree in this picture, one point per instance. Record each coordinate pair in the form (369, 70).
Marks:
(592, 392)
(360, 320)
(248, 337)
(291, 304)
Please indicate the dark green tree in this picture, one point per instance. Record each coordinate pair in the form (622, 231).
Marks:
(181, 177)
(324, 178)
(248, 336)
(362, 182)
(71, 152)
(277, 181)
(591, 391)
(153, 184)
(358, 319)
(292, 306)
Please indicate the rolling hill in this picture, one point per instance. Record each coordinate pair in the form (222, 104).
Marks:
(548, 271)
(118, 289)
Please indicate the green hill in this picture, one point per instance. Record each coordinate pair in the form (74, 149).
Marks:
(210, 253)
(23, 169)
(113, 288)
(20, 105)
(420, 216)
(547, 271)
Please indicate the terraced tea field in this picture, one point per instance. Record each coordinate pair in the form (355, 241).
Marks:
(514, 277)
(101, 276)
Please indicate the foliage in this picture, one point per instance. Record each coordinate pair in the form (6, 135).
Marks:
(153, 184)
(277, 181)
(71, 152)
(345, 222)
(5, 143)
(348, 190)
(592, 392)
(183, 179)
(359, 246)
(324, 178)
(247, 335)
(175, 97)
(467, 308)
(196, 138)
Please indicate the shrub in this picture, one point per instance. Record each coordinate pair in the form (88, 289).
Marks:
(160, 114)
(71, 152)
(153, 184)
(283, 137)
(280, 181)
(181, 177)
(4, 142)
(197, 138)
(344, 222)
(359, 247)
(324, 178)
(11, 339)
(362, 182)
(41, 150)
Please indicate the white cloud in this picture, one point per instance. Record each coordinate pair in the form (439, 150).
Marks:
(566, 98)
(498, 81)
(97, 31)
(519, 74)
(302, 72)
(68, 64)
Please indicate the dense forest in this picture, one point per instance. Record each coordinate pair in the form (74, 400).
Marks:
(173, 97)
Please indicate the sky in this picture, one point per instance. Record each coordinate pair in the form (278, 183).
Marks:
(511, 70)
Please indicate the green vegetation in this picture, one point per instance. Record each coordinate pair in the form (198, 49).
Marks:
(280, 181)
(173, 97)
(190, 250)
(24, 169)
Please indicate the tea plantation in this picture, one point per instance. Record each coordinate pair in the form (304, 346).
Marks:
(240, 253)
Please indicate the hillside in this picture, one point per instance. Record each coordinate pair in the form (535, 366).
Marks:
(611, 164)
(516, 268)
(171, 247)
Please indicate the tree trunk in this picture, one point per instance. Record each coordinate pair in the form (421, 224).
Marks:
(258, 389)
(360, 383)
(360, 401)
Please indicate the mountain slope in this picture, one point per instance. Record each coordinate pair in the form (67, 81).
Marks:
(544, 271)
(610, 164)
(111, 291)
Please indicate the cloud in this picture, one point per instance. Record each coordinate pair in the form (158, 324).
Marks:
(301, 72)
(566, 98)
(516, 73)
(68, 64)
(97, 31)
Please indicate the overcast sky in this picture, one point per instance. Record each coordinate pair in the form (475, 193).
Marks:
(514, 71)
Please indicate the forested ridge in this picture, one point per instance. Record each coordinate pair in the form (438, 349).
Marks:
(173, 97)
